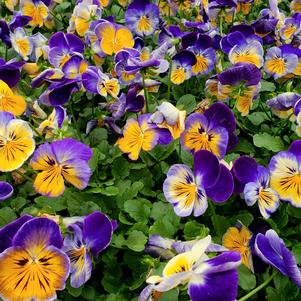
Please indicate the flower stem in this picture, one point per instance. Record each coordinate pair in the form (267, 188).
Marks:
(258, 288)
(145, 92)
(75, 123)
(23, 175)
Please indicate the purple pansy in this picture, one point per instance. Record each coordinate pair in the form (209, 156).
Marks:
(62, 46)
(10, 71)
(87, 239)
(142, 17)
(187, 191)
(213, 130)
(6, 190)
(272, 250)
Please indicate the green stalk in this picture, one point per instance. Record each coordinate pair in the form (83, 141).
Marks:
(145, 93)
(23, 175)
(258, 288)
(75, 123)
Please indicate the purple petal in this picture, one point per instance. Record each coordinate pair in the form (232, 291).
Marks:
(245, 169)
(38, 232)
(214, 287)
(8, 232)
(221, 115)
(206, 168)
(70, 149)
(224, 186)
(6, 190)
(97, 232)
(223, 262)
(185, 58)
(295, 148)
(283, 101)
(90, 80)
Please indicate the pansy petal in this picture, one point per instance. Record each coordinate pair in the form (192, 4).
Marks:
(206, 168)
(6, 190)
(223, 188)
(38, 233)
(180, 190)
(245, 169)
(97, 232)
(269, 253)
(204, 287)
(295, 148)
(285, 178)
(21, 278)
(8, 232)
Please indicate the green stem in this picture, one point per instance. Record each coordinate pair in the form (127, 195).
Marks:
(258, 288)
(75, 123)
(145, 93)
(56, 18)
(23, 175)
(6, 52)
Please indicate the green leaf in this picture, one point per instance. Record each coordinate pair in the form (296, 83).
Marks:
(274, 295)
(120, 168)
(257, 117)
(220, 224)
(246, 280)
(164, 228)
(88, 292)
(18, 203)
(56, 204)
(265, 140)
(6, 216)
(108, 191)
(267, 86)
(193, 229)
(187, 102)
(136, 241)
(138, 209)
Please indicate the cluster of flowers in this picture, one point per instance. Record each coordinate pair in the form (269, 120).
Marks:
(215, 278)
(36, 259)
(99, 56)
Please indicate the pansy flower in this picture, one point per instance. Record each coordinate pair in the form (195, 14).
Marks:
(279, 63)
(16, 142)
(86, 240)
(97, 82)
(187, 191)
(295, 6)
(242, 83)
(238, 239)
(142, 17)
(59, 92)
(208, 279)
(53, 122)
(131, 102)
(62, 47)
(141, 135)
(112, 38)
(75, 67)
(286, 174)
(244, 6)
(83, 13)
(283, 104)
(201, 46)
(255, 184)
(291, 27)
(239, 34)
(250, 52)
(60, 161)
(213, 130)
(166, 248)
(272, 250)
(181, 68)
(33, 266)
(10, 102)
(168, 116)
(10, 71)
(36, 9)
(21, 43)
(6, 190)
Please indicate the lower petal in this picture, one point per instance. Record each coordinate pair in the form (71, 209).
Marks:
(214, 287)
(50, 182)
